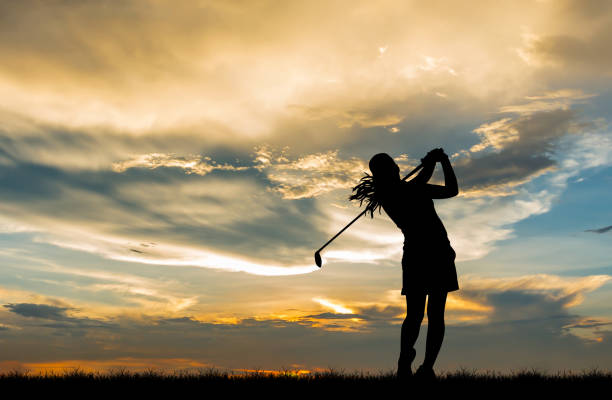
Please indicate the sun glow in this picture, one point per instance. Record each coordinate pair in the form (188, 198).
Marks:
(457, 303)
(337, 308)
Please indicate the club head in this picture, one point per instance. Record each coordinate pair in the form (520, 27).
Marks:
(318, 260)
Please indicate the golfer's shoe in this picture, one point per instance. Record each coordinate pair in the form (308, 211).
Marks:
(404, 372)
(404, 365)
(425, 373)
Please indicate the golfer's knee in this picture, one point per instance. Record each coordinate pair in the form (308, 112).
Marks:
(414, 317)
(435, 319)
(437, 325)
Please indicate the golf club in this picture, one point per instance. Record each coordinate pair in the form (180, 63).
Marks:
(317, 254)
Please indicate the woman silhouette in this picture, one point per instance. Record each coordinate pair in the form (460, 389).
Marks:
(428, 262)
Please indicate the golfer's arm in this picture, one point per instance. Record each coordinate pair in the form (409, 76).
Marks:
(450, 180)
(425, 174)
(450, 188)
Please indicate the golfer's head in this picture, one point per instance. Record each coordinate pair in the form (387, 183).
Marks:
(383, 167)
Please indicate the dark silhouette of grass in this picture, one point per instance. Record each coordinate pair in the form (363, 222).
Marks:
(207, 383)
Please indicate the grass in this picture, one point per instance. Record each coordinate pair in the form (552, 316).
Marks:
(204, 383)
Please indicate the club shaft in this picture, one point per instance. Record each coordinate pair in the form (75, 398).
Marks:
(364, 211)
(343, 229)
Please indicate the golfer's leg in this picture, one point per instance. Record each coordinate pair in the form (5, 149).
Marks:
(435, 327)
(415, 307)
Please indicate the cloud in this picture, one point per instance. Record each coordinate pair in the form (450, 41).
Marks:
(361, 115)
(119, 363)
(38, 311)
(200, 165)
(145, 293)
(561, 99)
(563, 292)
(496, 134)
(475, 225)
(539, 121)
(568, 95)
(530, 314)
(310, 175)
(600, 230)
(575, 44)
(337, 308)
(194, 219)
(143, 70)
(119, 248)
(56, 318)
(25, 140)
(369, 120)
(521, 144)
(573, 51)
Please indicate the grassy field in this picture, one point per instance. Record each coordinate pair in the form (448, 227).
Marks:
(205, 383)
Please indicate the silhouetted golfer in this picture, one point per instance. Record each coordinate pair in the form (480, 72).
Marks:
(428, 262)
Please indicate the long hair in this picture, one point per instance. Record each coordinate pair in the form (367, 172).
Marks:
(371, 187)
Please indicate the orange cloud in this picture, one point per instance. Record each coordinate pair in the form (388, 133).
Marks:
(129, 363)
(455, 302)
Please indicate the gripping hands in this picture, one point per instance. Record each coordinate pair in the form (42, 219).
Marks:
(434, 156)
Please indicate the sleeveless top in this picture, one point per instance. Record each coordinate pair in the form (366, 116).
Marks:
(428, 263)
(412, 210)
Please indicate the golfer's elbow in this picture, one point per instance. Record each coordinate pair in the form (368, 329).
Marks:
(452, 191)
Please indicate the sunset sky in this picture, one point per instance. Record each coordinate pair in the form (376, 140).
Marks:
(168, 168)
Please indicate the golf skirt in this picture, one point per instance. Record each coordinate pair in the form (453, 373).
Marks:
(428, 268)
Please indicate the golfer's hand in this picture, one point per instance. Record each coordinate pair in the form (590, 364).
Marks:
(434, 156)
(441, 155)
(429, 158)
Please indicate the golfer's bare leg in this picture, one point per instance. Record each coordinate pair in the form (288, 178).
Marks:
(435, 328)
(415, 308)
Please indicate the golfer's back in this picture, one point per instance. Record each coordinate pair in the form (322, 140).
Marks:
(412, 210)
